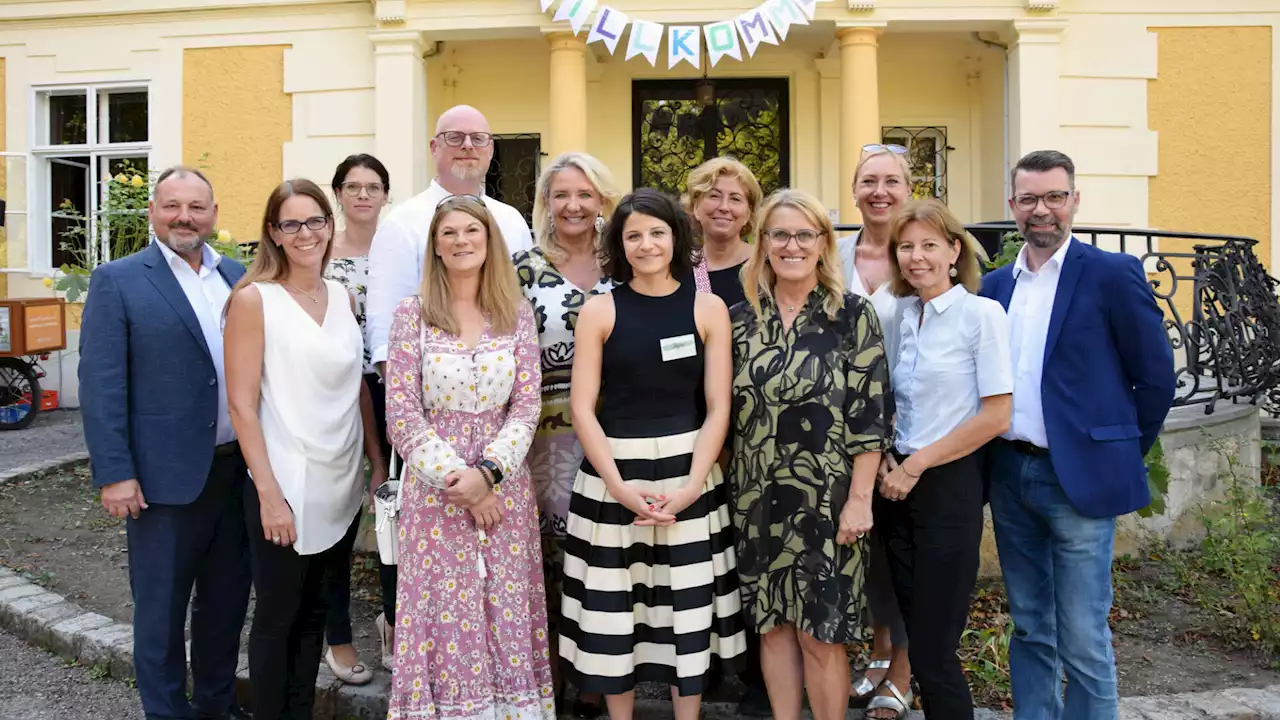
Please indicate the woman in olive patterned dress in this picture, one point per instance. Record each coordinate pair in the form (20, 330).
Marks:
(811, 416)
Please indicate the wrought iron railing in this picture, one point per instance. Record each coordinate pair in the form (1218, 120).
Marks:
(1222, 315)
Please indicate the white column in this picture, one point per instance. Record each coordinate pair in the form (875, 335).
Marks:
(400, 109)
(1035, 69)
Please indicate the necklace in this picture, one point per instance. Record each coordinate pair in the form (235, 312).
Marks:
(308, 295)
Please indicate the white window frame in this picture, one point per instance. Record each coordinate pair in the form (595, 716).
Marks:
(39, 226)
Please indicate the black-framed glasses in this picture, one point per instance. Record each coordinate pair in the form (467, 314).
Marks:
(293, 227)
(1054, 200)
(780, 238)
(466, 196)
(877, 147)
(455, 138)
(353, 189)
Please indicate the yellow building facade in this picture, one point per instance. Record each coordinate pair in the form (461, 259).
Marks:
(1167, 106)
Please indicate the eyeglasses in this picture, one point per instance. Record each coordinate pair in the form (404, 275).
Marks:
(1054, 200)
(373, 189)
(875, 148)
(455, 138)
(468, 196)
(780, 238)
(293, 227)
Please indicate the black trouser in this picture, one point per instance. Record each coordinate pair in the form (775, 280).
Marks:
(337, 582)
(932, 540)
(288, 619)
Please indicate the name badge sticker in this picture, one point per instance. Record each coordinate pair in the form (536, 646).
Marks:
(680, 346)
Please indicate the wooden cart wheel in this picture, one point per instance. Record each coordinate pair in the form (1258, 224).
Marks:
(19, 387)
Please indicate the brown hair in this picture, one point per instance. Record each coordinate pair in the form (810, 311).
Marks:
(939, 219)
(499, 295)
(270, 263)
(703, 178)
(757, 275)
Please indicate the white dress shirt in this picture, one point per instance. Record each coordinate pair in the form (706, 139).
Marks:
(207, 293)
(1029, 311)
(887, 305)
(399, 247)
(959, 355)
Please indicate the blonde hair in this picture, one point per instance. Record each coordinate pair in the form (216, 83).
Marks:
(938, 218)
(544, 226)
(703, 178)
(758, 277)
(499, 297)
(270, 262)
(899, 158)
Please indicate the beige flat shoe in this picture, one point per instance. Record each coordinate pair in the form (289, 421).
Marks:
(357, 675)
(387, 635)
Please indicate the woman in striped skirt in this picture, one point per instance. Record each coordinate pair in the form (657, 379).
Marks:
(650, 587)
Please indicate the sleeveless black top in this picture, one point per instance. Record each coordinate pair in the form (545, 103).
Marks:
(652, 365)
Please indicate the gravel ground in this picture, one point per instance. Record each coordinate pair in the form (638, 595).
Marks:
(35, 685)
(51, 435)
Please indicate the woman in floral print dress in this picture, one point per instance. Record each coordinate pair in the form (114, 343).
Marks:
(575, 195)
(463, 381)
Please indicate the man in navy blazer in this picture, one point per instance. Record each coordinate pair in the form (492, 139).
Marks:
(1093, 382)
(164, 455)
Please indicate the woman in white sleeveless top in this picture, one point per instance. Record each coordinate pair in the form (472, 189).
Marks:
(303, 416)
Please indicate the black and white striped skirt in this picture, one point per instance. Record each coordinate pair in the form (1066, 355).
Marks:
(650, 604)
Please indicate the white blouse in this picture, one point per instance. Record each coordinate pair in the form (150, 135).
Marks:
(945, 366)
(888, 306)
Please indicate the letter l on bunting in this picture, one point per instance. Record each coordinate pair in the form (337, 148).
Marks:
(608, 28)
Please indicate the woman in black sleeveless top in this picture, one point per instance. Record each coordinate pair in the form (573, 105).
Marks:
(651, 586)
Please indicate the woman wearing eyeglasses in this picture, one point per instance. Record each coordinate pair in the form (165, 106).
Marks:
(881, 183)
(303, 415)
(360, 185)
(811, 419)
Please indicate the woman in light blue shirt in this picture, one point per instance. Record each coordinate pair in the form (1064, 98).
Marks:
(953, 390)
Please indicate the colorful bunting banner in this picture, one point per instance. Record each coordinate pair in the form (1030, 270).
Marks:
(767, 24)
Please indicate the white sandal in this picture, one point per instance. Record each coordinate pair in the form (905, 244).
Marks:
(864, 689)
(358, 674)
(894, 701)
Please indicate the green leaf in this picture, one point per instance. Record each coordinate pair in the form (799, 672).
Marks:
(1157, 481)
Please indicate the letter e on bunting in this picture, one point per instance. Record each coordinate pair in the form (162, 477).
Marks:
(755, 30)
(608, 28)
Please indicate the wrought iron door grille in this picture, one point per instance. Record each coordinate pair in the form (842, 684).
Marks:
(926, 154)
(673, 133)
(513, 173)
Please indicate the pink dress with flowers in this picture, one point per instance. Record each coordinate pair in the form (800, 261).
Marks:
(471, 635)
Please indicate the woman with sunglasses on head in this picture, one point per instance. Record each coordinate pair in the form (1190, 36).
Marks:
(303, 415)
(463, 381)
(881, 184)
(811, 418)
(650, 588)
(360, 185)
(953, 386)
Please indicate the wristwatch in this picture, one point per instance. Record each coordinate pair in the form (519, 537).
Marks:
(492, 470)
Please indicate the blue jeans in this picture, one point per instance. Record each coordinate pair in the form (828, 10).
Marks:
(1057, 572)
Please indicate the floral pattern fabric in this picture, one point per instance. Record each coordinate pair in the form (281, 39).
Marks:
(471, 635)
(806, 401)
(353, 274)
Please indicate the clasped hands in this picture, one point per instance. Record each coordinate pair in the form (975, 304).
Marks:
(469, 489)
(651, 506)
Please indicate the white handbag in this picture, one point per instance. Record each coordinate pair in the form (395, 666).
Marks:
(386, 500)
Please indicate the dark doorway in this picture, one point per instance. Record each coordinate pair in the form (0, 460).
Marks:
(513, 173)
(678, 124)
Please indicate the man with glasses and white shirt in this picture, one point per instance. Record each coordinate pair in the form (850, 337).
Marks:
(462, 148)
(1093, 381)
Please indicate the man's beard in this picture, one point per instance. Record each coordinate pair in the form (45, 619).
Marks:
(463, 172)
(185, 246)
(1044, 239)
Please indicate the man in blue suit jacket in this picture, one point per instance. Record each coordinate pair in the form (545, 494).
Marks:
(164, 455)
(1093, 382)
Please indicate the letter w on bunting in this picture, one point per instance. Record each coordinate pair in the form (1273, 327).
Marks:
(684, 44)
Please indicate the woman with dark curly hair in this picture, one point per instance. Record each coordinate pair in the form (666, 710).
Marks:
(650, 585)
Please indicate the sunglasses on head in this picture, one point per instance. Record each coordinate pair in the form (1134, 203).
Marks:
(876, 147)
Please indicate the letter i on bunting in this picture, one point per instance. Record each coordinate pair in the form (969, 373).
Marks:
(645, 38)
(755, 30)
(683, 45)
(608, 27)
(576, 12)
(722, 40)
(782, 15)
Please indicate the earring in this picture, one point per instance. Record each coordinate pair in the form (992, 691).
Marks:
(819, 262)
(599, 224)
(953, 272)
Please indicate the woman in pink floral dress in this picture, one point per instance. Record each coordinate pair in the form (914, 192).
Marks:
(463, 396)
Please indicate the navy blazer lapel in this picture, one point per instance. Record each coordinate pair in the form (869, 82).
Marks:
(1067, 281)
(1004, 292)
(231, 271)
(161, 275)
